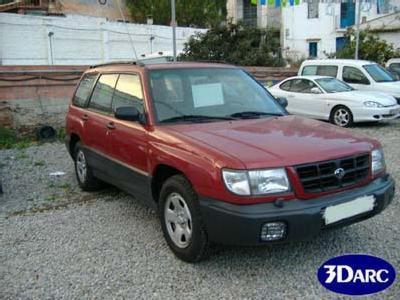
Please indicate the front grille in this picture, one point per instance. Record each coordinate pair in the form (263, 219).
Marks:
(320, 177)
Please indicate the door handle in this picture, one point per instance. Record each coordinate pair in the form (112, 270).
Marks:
(85, 117)
(111, 125)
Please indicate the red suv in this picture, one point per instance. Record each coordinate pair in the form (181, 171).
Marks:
(219, 158)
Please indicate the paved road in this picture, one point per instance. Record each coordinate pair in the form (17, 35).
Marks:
(107, 245)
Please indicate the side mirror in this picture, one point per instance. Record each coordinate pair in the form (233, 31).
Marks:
(127, 113)
(282, 101)
(315, 90)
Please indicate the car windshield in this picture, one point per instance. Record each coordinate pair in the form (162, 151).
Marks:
(378, 73)
(333, 85)
(209, 95)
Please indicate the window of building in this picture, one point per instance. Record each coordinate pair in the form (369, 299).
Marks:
(313, 7)
(347, 13)
(382, 6)
(312, 49)
(128, 92)
(249, 13)
(103, 93)
(83, 92)
(354, 75)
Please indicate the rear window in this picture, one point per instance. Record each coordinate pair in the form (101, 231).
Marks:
(320, 70)
(84, 89)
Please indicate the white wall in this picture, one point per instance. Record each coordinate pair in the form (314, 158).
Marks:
(298, 30)
(79, 40)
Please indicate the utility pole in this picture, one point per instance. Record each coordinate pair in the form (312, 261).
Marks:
(358, 29)
(173, 24)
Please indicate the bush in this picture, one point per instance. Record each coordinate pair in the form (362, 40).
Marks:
(236, 44)
(9, 139)
(371, 47)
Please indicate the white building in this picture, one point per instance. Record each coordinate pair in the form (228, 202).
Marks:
(253, 15)
(315, 28)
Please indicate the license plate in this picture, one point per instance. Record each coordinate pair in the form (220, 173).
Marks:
(349, 209)
(394, 111)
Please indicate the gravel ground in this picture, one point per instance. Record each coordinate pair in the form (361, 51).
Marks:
(59, 242)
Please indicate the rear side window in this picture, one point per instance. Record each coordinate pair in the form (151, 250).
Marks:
(103, 93)
(320, 70)
(128, 92)
(327, 71)
(309, 70)
(84, 89)
(286, 85)
(302, 86)
(354, 75)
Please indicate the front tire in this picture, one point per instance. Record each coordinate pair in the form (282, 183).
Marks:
(181, 220)
(84, 174)
(341, 116)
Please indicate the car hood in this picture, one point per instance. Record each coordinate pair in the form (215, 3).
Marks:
(362, 96)
(392, 88)
(274, 141)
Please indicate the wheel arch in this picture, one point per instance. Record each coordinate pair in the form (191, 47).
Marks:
(160, 174)
(74, 139)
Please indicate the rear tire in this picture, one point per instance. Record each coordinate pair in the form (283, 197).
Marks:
(181, 220)
(341, 116)
(84, 174)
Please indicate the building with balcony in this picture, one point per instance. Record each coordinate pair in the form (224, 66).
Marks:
(315, 28)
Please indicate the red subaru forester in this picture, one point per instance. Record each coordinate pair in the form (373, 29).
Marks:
(219, 158)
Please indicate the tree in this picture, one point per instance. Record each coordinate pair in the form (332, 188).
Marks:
(193, 13)
(371, 47)
(236, 44)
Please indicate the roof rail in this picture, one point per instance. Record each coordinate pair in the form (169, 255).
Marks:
(123, 62)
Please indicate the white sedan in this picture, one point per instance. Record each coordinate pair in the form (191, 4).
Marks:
(327, 98)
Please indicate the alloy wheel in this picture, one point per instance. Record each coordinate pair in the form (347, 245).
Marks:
(81, 166)
(178, 220)
(341, 117)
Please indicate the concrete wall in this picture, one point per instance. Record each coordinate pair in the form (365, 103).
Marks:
(29, 100)
(79, 40)
(298, 30)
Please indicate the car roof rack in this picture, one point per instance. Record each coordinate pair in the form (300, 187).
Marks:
(122, 62)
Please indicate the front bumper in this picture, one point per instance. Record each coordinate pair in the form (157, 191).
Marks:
(365, 114)
(241, 224)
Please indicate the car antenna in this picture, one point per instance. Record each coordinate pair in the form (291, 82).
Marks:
(127, 29)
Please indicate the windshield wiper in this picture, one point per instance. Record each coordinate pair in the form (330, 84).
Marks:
(194, 118)
(253, 114)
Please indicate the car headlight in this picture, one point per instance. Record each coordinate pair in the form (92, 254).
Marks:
(372, 104)
(256, 182)
(378, 161)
